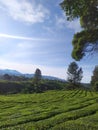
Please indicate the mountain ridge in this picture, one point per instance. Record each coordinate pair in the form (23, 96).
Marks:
(17, 73)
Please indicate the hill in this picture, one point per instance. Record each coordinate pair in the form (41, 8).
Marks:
(10, 72)
(17, 73)
(52, 110)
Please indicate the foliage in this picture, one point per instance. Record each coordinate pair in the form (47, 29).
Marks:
(12, 87)
(51, 110)
(95, 87)
(84, 41)
(13, 77)
(75, 74)
(37, 80)
(53, 85)
(95, 75)
(94, 79)
(6, 77)
(28, 88)
(37, 76)
(87, 12)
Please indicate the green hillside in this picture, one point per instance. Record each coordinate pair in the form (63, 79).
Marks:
(52, 110)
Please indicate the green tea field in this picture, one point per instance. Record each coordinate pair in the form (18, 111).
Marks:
(51, 110)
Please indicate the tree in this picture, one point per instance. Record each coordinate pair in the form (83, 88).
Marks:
(37, 75)
(75, 74)
(85, 41)
(94, 78)
(37, 79)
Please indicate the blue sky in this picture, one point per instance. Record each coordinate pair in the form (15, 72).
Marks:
(35, 34)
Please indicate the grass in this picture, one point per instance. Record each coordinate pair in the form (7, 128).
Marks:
(51, 110)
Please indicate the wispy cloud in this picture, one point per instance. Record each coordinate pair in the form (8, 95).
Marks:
(22, 38)
(25, 11)
(60, 21)
(49, 30)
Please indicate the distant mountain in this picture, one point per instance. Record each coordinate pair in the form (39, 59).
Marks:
(10, 72)
(52, 78)
(17, 73)
(44, 77)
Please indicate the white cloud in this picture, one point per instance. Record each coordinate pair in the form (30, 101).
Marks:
(24, 10)
(61, 22)
(74, 25)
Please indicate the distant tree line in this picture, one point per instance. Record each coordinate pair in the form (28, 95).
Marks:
(13, 77)
(17, 84)
(20, 84)
(14, 87)
(39, 84)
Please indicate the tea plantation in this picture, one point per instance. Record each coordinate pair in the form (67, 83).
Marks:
(51, 110)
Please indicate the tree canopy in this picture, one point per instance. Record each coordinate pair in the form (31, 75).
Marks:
(87, 11)
(75, 74)
(94, 78)
(37, 75)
